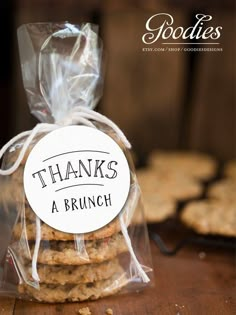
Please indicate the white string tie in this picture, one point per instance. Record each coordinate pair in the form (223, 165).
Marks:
(79, 115)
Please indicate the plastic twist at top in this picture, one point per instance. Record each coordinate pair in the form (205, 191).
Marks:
(61, 68)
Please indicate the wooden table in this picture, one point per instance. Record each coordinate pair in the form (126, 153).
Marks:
(197, 280)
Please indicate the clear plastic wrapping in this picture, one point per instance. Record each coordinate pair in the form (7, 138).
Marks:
(61, 67)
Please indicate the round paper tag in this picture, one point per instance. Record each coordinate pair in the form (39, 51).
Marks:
(76, 179)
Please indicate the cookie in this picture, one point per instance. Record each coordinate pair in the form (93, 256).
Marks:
(17, 176)
(211, 217)
(192, 164)
(77, 274)
(157, 208)
(11, 193)
(230, 169)
(50, 234)
(75, 293)
(223, 190)
(65, 253)
(168, 185)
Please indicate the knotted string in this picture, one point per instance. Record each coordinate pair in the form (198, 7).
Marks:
(78, 116)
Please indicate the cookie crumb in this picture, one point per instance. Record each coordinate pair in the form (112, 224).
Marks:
(109, 311)
(84, 311)
(202, 255)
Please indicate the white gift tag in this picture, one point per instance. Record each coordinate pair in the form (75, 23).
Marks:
(76, 179)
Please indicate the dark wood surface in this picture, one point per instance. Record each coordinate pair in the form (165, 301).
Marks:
(198, 280)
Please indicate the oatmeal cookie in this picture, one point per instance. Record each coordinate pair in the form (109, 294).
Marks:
(65, 253)
(168, 185)
(192, 164)
(230, 169)
(61, 274)
(75, 293)
(158, 208)
(223, 190)
(50, 234)
(211, 217)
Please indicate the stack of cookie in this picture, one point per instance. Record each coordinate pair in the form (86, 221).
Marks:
(70, 267)
(67, 270)
(172, 177)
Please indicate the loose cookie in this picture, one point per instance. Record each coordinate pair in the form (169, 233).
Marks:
(157, 208)
(230, 169)
(223, 190)
(168, 185)
(211, 217)
(192, 164)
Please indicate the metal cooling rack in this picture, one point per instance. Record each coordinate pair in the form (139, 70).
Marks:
(212, 241)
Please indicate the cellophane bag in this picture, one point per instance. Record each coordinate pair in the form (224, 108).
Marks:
(61, 68)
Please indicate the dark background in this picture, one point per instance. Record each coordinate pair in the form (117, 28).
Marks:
(161, 100)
